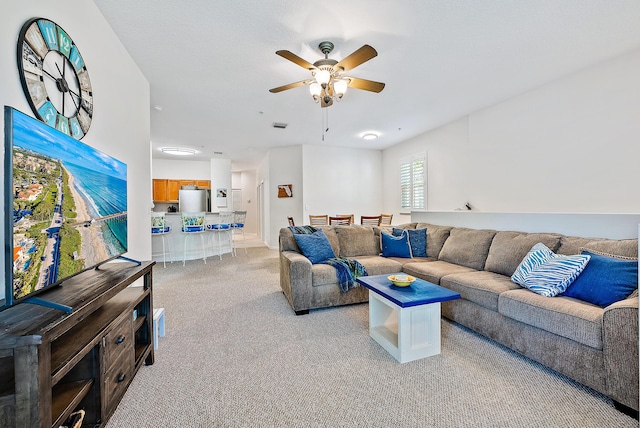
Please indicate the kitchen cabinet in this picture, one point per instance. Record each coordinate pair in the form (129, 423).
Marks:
(166, 190)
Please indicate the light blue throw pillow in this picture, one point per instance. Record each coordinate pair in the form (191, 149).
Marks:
(395, 246)
(554, 276)
(606, 280)
(417, 240)
(536, 256)
(315, 246)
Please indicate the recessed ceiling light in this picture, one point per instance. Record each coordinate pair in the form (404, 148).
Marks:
(178, 151)
(369, 136)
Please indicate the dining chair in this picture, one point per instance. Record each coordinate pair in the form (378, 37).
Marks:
(342, 221)
(222, 226)
(237, 226)
(318, 220)
(386, 219)
(192, 225)
(291, 222)
(159, 228)
(370, 220)
(346, 215)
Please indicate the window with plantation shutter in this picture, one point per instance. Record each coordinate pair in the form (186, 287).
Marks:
(412, 183)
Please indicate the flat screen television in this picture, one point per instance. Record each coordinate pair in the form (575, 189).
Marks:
(65, 207)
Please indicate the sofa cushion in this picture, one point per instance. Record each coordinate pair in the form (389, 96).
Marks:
(433, 271)
(357, 240)
(467, 247)
(323, 274)
(509, 248)
(436, 237)
(605, 280)
(377, 265)
(621, 247)
(314, 246)
(395, 246)
(417, 240)
(480, 287)
(413, 260)
(564, 316)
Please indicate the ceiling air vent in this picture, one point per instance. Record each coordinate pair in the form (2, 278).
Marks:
(280, 125)
(217, 153)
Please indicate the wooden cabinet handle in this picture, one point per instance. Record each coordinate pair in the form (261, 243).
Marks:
(121, 377)
(120, 339)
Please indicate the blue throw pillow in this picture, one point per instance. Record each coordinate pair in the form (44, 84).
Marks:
(395, 246)
(417, 240)
(315, 246)
(605, 280)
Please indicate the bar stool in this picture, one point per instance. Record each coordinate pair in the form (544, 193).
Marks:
(159, 228)
(239, 217)
(223, 226)
(193, 224)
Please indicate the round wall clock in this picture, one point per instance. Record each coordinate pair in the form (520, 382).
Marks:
(54, 77)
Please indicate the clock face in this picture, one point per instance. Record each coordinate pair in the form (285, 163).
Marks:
(54, 77)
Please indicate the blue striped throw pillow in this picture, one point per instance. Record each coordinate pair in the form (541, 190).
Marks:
(536, 256)
(555, 275)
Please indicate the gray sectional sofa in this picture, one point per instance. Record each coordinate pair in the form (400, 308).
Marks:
(595, 346)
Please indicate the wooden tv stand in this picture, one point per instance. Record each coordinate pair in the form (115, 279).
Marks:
(53, 363)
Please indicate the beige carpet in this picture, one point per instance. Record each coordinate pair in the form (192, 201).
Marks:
(235, 355)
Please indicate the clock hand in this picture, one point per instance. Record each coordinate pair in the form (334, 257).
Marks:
(58, 67)
(49, 74)
(74, 100)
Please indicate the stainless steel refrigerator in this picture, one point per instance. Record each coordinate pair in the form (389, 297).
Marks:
(194, 200)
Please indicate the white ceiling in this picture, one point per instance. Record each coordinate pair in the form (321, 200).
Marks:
(210, 64)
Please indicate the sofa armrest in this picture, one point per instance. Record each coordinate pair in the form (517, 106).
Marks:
(620, 346)
(295, 280)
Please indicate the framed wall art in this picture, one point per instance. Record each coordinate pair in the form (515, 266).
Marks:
(284, 190)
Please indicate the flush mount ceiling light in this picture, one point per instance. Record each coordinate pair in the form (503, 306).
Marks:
(329, 82)
(369, 136)
(178, 151)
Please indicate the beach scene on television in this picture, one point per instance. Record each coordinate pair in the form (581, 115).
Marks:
(69, 206)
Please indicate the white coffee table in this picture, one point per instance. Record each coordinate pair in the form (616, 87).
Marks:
(406, 320)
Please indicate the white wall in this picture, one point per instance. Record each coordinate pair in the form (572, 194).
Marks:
(568, 146)
(263, 211)
(341, 181)
(246, 182)
(180, 169)
(447, 165)
(120, 125)
(220, 179)
(285, 167)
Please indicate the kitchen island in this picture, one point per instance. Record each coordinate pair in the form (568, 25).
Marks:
(175, 241)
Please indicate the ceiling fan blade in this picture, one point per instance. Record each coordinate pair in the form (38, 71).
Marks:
(364, 54)
(290, 86)
(364, 84)
(296, 59)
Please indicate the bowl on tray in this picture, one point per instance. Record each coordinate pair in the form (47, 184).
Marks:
(401, 280)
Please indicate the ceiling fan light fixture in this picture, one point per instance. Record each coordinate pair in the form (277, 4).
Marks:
(340, 87)
(323, 77)
(178, 151)
(315, 89)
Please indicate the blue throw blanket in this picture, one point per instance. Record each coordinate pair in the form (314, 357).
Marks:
(346, 270)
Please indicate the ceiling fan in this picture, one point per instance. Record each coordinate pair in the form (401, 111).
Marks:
(328, 80)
